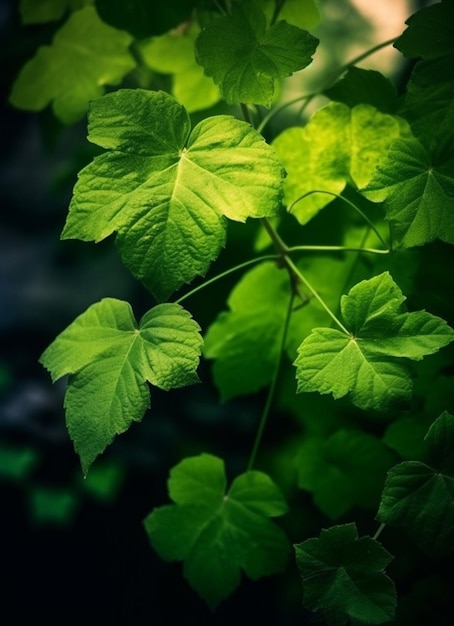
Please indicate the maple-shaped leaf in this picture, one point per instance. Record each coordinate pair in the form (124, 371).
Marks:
(344, 577)
(245, 57)
(166, 189)
(370, 361)
(85, 55)
(347, 468)
(110, 358)
(173, 53)
(417, 186)
(420, 496)
(218, 533)
(338, 145)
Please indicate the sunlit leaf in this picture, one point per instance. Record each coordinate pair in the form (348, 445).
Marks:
(343, 576)
(245, 57)
(338, 145)
(110, 360)
(418, 189)
(166, 189)
(85, 55)
(370, 362)
(420, 496)
(218, 533)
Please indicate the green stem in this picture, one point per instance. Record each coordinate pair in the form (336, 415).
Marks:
(272, 387)
(246, 114)
(296, 272)
(352, 204)
(336, 249)
(279, 244)
(280, 108)
(265, 257)
(379, 531)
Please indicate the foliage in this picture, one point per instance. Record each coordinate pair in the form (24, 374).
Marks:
(318, 303)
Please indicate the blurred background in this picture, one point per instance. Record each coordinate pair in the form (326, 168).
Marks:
(75, 549)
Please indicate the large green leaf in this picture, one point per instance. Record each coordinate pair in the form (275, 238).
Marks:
(370, 362)
(345, 469)
(218, 533)
(173, 53)
(85, 55)
(110, 359)
(343, 576)
(338, 145)
(166, 189)
(420, 496)
(417, 185)
(245, 57)
(429, 33)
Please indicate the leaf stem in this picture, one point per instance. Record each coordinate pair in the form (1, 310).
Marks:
(380, 529)
(272, 387)
(352, 204)
(336, 249)
(236, 268)
(296, 272)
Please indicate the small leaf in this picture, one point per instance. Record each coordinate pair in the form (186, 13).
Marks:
(110, 359)
(218, 533)
(338, 145)
(343, 470)
(166, 189)
(420, 497)
(245, 57)
(343, 576)
(85, 55)
(360, 86)
(370, 363)
(417, 186)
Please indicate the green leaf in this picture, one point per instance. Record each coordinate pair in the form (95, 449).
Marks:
(143, 19)
(218, 533)
(417, 186)
(338, 145)
(166, 189)
(429, 33)
(85, 55)
(343, 576)
(173, 53)
(360, 86)
(42, 11)
(371, 362)
(49, 505)
(110, 359)
(301, 13)
(420, 497)
(245, 57)
(17, 463)
(343, 470)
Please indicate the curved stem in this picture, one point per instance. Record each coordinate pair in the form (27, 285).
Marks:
(379, 531)
(280, 108)
(335, 249)
(296, 272)
(336, 195)
(272, 387)
(265, 257)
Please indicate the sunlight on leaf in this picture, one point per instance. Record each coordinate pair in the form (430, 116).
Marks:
(111, 359)
(217, 533)
(85, 55)
(166, 189)
(370, 364)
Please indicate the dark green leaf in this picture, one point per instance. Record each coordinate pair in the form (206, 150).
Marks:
(343, 576)
(245, 57)
(218, 533)
(359, 86)
(420, 497)
(430, 32)
(110, 359)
